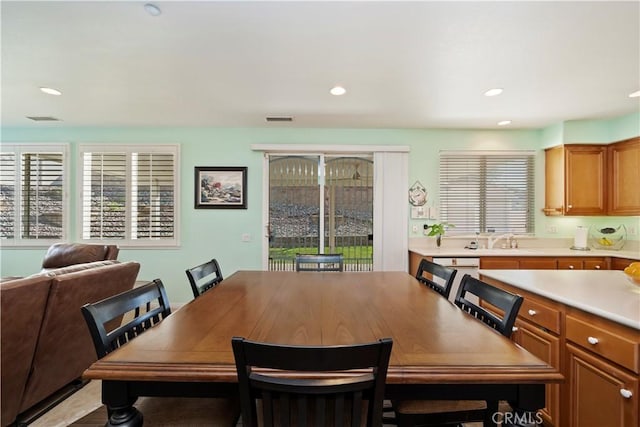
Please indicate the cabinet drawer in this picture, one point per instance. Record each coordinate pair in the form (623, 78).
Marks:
(595, 264)
(540, 315)
(570, 264)
(605, 343)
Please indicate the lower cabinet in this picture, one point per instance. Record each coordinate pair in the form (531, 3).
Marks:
(546, 347)
(544, 263)
(601, 394)
(599, 359)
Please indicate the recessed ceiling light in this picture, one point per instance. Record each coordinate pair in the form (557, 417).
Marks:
(152, 9)
(634, 94)
(338, 90)
(504, 123)
(50, 91)
(493, 92)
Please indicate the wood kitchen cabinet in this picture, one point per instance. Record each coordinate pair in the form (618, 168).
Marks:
(575, 180)
(599, 359)
(621, 263)
(585, 263)
(544, 263)
(601, 394)
(593, 179)
(624, 177)
(545, 346)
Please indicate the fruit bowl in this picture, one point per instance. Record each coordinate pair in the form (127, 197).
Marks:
(608, 238)
(633, 272)
(633, 279)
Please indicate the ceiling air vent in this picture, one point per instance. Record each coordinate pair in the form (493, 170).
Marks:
(279, 119)
(43, 119)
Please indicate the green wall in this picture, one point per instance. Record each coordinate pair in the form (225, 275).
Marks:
(217, 233)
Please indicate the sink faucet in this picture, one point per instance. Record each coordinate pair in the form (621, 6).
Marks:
(491, 240)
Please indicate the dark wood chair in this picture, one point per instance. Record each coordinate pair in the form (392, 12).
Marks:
(117, 320)
(204, 277)
(439, 412)
(436, 270)
(313, 398)
(319, 262)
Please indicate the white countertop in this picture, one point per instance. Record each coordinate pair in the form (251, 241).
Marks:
(525, 252)
(605, 293)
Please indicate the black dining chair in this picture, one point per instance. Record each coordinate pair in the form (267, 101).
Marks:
(443, 412)
(436, 270)
(204, 277)
(319, 395)
(319, 262)
(116, 320)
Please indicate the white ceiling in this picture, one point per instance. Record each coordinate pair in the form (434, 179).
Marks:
(404, 64)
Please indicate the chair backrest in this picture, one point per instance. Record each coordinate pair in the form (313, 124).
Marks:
(141, 307)
(204, 277)
(436, 270)
(319, 262)
(308, 399)
(506, 301)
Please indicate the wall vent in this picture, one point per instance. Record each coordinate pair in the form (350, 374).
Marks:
(280, 119)
(43, 119)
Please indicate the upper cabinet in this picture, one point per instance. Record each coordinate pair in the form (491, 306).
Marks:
(593, 179)
(624, 177)
(575, 180)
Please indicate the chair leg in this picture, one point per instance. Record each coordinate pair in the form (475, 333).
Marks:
(489, 418)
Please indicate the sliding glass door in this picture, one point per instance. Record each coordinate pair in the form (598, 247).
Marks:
(321, 204)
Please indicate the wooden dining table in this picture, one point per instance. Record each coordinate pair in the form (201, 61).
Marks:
(439, 351)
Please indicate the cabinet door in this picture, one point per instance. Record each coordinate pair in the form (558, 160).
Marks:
(594, 264)
(621, 263)
(554, 181)
(499, 263)
(570, 264)
(584, 180)
(535, 263)
(546, 347)
(601, 394)
(624, 177)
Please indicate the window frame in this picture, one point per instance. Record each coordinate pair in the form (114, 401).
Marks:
(528, 155)
(173, 149)
(18, 149)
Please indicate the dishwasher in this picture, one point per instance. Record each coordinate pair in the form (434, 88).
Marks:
(464, 266)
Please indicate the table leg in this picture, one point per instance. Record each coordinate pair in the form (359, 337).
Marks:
(122, 413)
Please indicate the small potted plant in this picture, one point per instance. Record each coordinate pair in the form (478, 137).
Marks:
(438, 230)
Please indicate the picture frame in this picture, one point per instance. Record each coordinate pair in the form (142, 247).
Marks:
(220, 187)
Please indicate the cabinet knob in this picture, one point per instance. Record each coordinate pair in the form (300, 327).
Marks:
(626, 393)
(514, 329)
(532, 312)
(597, 267)
(569, 206)
(571, 267)
(593, 340)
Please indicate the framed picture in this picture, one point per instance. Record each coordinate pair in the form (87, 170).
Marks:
(221, 187)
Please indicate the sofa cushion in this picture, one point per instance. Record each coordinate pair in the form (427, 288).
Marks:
(22, 307)
(65, 348)
(64, 254)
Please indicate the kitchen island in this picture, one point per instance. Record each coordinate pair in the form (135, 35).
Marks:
(587, 324)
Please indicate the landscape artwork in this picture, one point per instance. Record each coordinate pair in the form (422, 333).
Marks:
(222, 187)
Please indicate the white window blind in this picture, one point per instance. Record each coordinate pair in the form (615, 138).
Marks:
(129, 194)
(33, 203)
(487, 191)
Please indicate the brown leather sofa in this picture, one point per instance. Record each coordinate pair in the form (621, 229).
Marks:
(45, 343)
